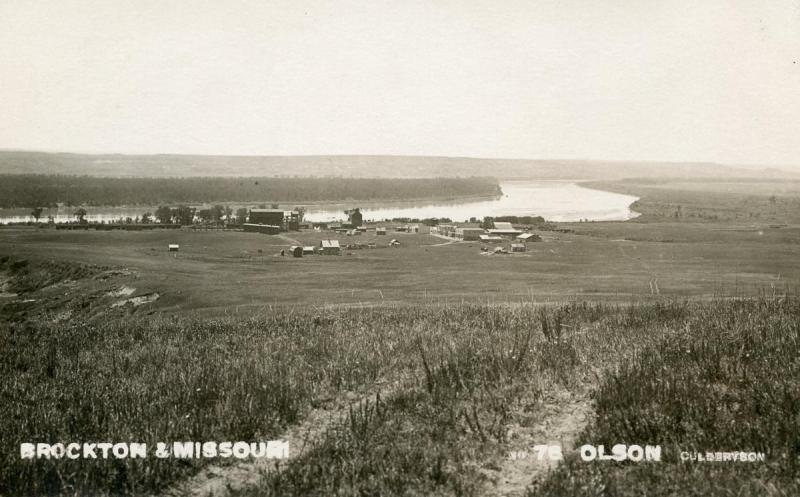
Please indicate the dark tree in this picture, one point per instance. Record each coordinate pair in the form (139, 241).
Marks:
(81, 215)
(205, 215)
(164, 215)
(37, 213)
(183, 215)
(217, 212)
(241, 215)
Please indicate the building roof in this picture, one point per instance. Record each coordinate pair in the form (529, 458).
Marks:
(505, 232)
(491, 238)
(262, 225)
(526, 236)
(499, 225)
(329, 243)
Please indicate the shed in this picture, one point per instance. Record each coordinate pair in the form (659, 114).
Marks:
(309, 250)
(296, 251)
(380, 231)
(491, 238)
(518, 247)
(330, 247)
(529, 237)
(173, 247)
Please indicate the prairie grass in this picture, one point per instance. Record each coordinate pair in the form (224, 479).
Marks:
(26, 277)
(727, 379)
(464, 372)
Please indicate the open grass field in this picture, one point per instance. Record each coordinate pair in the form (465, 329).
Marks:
(456, 388)
(414, 370)
(216, 271)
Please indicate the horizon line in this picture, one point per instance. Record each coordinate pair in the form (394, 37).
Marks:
(549, 159)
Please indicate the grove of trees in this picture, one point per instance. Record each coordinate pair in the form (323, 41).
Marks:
(32, 191)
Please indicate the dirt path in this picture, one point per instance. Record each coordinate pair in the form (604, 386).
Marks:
(653, 283)
(449, 240)
(442, 244)
(221, 481)
(560, 421)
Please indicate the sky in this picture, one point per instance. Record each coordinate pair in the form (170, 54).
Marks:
(667, 80)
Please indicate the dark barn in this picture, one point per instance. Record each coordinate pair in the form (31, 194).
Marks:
(272, 217)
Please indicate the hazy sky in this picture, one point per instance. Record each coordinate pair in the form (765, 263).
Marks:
(689, 80)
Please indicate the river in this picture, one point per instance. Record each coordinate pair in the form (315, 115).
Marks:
(554, 200)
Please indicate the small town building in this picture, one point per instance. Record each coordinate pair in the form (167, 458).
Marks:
(291, 221)
(510, 233)
(380, 231)
(469, 234)
(173, 247)
(529, 237)
(330, 247)
(491, 238)
(518, 247)
(310, 250)
(272, 217)
(505, 229)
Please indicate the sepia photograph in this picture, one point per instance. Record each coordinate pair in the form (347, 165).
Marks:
(480, 248)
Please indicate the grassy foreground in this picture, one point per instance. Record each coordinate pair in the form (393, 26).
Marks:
(719, 375)
(727, 380)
